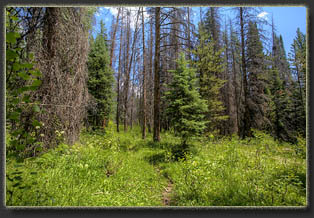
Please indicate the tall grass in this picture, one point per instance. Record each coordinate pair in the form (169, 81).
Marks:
(231, 172)
(121, 169)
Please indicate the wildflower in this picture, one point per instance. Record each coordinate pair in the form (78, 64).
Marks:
(194, 163)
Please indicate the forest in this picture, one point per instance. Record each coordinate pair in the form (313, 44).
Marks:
(153, 106)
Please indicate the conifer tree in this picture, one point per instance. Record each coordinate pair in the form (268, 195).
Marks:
(100, 79)
(186, 108)
(212, 25)
(280, 92)
(257, 80)
(209, 65)
(298, 60)
(280, 107)
(279, 59)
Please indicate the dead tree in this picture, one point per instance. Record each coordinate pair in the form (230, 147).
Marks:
(156, 135)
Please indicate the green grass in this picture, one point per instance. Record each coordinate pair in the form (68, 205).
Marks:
(240, 173)
(121, 169)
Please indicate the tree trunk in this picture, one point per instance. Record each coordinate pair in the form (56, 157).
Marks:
(126, 84)
(156, 135)
(118, 82)
(246, 129)
(113, 39)
(144, 78)
(129, 71)
(150, 78)
(189, 35)
(235, 84)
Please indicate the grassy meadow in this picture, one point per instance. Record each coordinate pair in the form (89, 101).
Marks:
(121, 169)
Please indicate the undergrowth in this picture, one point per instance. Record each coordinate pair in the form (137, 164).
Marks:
(107, 168)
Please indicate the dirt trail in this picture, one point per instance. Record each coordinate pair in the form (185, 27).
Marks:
(166, 194)
(167, 190)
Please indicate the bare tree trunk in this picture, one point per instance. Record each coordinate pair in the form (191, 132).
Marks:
(126, 83)
(150, 77)
(132, 97)
(113, 39)
(189, 35)
(235, 84)
(129, 70)
(156, 136)
(144, 78)
(118, 83)
(246, 129)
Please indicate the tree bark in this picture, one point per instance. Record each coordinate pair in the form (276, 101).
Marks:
(156, 135)
(126, 85)
(118, 83)
(189, 35)
(113, 40)
(150, 78)
(235, 84)
(129, 71)
(246, 129)
(144, 78)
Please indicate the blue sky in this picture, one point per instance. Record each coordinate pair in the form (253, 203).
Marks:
(286, 19)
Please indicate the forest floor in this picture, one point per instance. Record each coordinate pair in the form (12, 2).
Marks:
(121, 169)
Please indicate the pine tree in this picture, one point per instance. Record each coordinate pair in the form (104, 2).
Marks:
(209, 65)
(186, 108)
(245, 15)
(279, 59)
(100, 79)
(279, 87)
(280, 109)
(298, 60)
(212, 25)
(257, 79)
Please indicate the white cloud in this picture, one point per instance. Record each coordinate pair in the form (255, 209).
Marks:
(263, 15)
(97, 14)
(113, 10)
(133, 11)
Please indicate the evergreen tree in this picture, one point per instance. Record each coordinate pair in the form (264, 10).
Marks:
(186, 108)
(298, 60)
(257, 100)
(280, 92)
(100, 79)
(280, 106)
(279, 60)
(209, 65)
(212, 26)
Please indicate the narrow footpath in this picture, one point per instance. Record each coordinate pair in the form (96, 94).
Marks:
(166, 194)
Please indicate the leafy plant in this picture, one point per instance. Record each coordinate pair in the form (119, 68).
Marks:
(20, 110)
